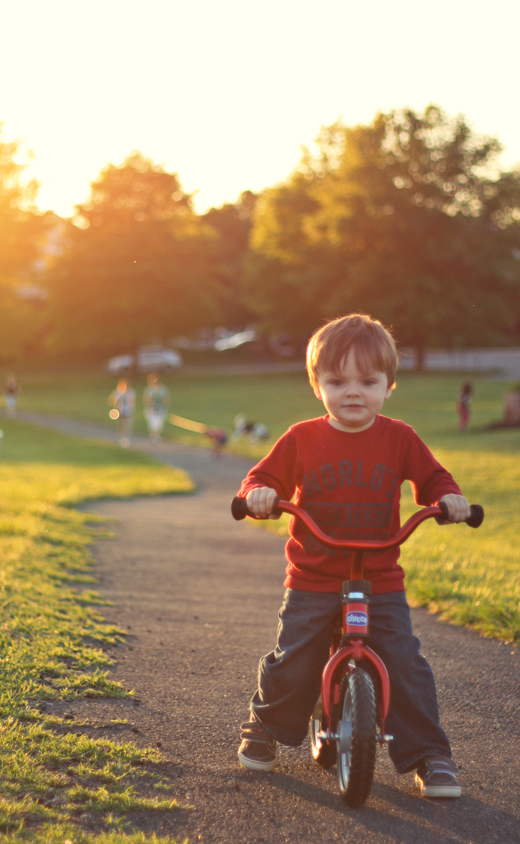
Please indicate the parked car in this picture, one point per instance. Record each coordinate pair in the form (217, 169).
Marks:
(149, 359)
(283, 345)
(211, 339)
(154, 358)
(234, 340)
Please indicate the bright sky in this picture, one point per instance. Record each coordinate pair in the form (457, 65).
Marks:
(225, 93)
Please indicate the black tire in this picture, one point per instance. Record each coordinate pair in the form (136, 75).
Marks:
(356, 746)
(324, 753)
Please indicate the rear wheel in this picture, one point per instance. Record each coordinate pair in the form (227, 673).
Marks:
(323, 752)
(356, 744)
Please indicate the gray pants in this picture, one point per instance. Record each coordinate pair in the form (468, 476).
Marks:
(289, 678)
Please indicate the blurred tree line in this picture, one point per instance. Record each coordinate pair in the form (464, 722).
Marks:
(408, 218)
(22, 234)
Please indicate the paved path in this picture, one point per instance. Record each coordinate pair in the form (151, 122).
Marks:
(199, 594)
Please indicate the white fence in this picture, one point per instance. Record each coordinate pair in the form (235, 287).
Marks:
(504, 363)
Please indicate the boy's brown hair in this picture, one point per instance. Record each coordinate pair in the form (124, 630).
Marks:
(373, 346)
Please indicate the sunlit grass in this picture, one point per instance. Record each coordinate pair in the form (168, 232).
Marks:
(54, 641)
(472, 577)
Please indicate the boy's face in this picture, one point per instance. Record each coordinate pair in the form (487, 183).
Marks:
(352, 398)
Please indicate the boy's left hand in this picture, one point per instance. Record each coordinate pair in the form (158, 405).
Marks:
(458, 508)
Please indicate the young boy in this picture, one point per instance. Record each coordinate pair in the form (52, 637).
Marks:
(346, 470)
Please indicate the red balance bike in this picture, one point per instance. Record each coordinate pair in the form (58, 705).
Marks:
(349, 719)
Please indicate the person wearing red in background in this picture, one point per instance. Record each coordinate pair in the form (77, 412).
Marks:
(218, 438)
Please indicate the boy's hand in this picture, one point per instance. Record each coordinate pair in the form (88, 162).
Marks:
(261, 500)
(458, 508)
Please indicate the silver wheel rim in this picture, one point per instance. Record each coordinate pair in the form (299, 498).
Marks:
(315, 727)
(344, 743)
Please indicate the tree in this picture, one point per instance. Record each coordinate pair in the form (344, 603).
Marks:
(232, 223)
(287, 271)
(138, 266)
(400, 218)
(21, 235)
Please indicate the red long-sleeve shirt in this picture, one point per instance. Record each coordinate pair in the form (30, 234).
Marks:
(350, 483)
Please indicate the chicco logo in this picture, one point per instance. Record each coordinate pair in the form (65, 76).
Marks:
(357, 619)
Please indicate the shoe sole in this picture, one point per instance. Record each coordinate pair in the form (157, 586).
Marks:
(438, 790)
(253, 765)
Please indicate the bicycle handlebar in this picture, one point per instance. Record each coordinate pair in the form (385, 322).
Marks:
(240, 510)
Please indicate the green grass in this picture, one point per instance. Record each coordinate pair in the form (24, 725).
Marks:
(470, 576)
(57, 783)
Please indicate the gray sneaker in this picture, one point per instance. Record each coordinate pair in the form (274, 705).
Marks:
(258, 750)
(436, 776)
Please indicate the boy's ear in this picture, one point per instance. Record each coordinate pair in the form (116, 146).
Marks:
(317, 392)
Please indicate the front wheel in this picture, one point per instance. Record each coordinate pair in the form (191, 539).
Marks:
(356, 743)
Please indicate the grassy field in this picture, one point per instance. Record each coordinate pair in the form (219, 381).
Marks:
(471, 577)
(59, 783)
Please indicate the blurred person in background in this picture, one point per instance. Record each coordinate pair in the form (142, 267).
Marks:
(12, 390)
(218, 438)
(122, 400)
(464, 405)
(156, 400)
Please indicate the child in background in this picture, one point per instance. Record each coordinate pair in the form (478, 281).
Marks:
(346, 469)
(12, 390)
(122, 400)
(464, 405)
(218, 438)
(156, 399)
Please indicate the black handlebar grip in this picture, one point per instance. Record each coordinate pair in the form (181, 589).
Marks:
(474, 520)
(477, 516)
(239, 508)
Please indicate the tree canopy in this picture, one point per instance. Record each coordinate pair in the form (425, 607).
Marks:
(138, 268)
(406, 218)
(232, 223)
(21, 236)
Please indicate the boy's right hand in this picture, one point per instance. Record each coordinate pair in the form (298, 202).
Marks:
(261, 502)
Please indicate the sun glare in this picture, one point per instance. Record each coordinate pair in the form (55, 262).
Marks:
(225, 96)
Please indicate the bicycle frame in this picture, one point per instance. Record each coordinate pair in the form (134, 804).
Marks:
(355, 626)
(355, 617)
